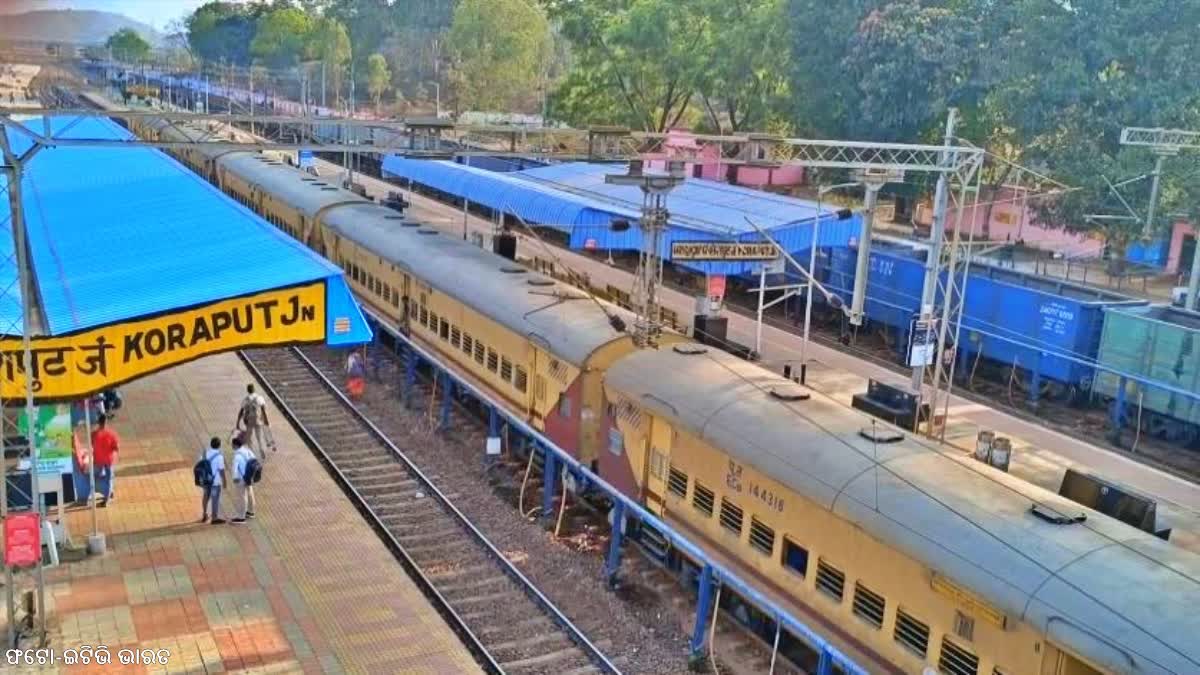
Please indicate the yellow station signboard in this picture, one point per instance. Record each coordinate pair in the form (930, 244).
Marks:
(77, 365)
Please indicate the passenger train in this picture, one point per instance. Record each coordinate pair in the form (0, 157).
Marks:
(908, 558)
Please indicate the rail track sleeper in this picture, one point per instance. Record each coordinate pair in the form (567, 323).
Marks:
(456, 572)
(486, 597)
(520, 624)
(541, 660)
(518, 643)
(436, 535)
(476, 583)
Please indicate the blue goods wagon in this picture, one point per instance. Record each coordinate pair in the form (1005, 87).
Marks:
(1045, 329)
(894, 283)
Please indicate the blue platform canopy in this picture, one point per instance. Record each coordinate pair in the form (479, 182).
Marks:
(574, 198)
(133, 251)
(505, 193)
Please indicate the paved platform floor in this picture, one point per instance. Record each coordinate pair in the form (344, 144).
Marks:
(305, 587)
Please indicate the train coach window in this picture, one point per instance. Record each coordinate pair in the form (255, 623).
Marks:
(762, 537)
(731, 516)
(493, 360)
(505, 369)
(795, 557)
(830, 580)
(444, 329)
(677, 482)
(868, 605)
(616, 441)
(468, 345)
(424, 316)
(702, 499)
(479, 352)
(395, 297)
(455, 336)
(955, 660)
(911, 633)
(520, 379)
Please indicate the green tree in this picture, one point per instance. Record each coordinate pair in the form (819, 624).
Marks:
(379, 77)
(743, 85)
(1074, 74)
(635, 62)
(127, 45)
(331, 45)
(284, 38)
(222, 31)
(501, 48)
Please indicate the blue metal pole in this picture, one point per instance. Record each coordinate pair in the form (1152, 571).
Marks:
(612, 564)
(549, 483)
(410, 376)
(1118, 413)
(1035, 381)
(703, 605)
(493, 423)
(825, 665)
(963, 353)
(447, 399)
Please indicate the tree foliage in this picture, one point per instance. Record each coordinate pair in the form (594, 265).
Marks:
(284, 38)
(379, 76)
(222, 31)
(500, 50)
(127, 45)
(636, 62)
(743, 85)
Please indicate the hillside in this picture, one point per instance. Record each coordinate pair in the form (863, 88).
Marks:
(69, 25)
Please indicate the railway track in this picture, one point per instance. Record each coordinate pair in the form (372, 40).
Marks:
(502, 617)
(646, 588)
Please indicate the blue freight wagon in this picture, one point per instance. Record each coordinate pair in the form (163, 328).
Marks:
(1047, 329)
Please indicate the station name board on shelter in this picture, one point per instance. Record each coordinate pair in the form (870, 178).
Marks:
(722, 250)
(90, 361)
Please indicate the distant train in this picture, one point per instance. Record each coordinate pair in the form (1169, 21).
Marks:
(906, 557)
(1049, 337)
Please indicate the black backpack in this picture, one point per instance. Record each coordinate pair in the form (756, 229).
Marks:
(202, 473)
(253, 471)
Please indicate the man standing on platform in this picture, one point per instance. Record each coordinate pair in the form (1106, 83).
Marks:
(105, 445)
(245, 470)
(210, 477)
(252, 416)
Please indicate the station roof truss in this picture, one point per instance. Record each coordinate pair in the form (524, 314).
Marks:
(441, 139)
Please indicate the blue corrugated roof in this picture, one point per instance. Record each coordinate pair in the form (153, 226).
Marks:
(502, 192)
(120, 233)
(698, 204)
(575, 199)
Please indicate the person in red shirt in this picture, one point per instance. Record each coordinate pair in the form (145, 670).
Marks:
(105, 445)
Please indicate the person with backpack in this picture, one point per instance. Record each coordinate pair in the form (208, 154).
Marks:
(252, 420)
(247, 471)
(209, 473)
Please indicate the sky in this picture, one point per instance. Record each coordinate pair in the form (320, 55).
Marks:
(157, 13)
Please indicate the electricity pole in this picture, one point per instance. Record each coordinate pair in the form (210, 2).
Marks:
(647, 325)
(933, 263)
(1166, 143)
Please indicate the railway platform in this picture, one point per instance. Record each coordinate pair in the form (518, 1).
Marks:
(307, 586)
